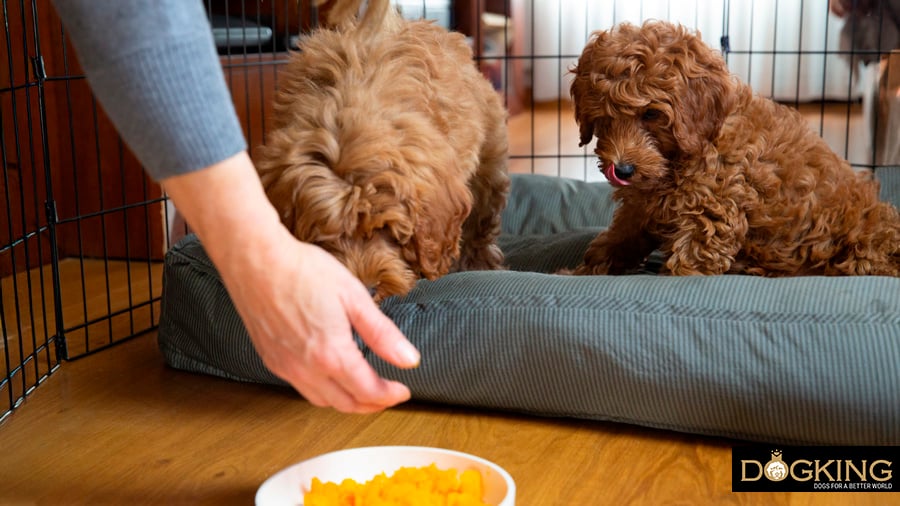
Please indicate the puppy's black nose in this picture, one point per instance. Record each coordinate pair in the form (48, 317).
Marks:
(624, 170)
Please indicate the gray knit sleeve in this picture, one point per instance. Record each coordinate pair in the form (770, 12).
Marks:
(154, 68)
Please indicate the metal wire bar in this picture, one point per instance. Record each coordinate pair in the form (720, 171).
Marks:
(75, 189)
(110, 210)
(103, 223)
(50, 204)
(126, 237)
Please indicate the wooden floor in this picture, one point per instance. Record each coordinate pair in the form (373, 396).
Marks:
(101, 302)
(119, 427)
(93, 289)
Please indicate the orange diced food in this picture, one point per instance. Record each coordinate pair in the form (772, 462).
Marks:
(408, 486)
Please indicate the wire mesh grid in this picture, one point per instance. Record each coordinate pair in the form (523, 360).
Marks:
(84, 230)
(832, 68)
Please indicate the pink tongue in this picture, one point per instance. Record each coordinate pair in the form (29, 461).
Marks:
(610, 173)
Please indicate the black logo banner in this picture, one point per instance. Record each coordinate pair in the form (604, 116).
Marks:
(815, 469)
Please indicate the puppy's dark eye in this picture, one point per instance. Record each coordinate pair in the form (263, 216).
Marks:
(650, 115)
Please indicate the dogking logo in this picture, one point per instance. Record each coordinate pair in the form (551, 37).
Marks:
(776, 470)
(815, 469)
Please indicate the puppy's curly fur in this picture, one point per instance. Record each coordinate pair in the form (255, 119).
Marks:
(389, 150)
(719, 179)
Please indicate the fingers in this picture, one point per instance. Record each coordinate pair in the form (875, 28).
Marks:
(367, 391)
(380, 334)
(341, 378)
(328, 393)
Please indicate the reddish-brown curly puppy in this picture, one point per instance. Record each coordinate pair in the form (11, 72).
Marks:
(389, 150)
(720, 180)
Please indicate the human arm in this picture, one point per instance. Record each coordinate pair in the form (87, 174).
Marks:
(155, 70)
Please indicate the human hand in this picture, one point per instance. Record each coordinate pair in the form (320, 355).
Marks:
(296, 300)
(299, 304)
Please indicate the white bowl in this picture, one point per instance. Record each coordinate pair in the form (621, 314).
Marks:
(286, 487)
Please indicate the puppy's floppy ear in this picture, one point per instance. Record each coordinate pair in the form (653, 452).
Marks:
(424, 220)
(387, 195)
(317, 206)
(580, 90)
(586, 129)
(585, 123)
(313, 202)
(436, 214)
(707, 97)
(436, 246)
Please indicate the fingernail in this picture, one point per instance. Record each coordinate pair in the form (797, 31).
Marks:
(408, 354)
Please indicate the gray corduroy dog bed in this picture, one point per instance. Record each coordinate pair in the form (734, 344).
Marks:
(789, 360)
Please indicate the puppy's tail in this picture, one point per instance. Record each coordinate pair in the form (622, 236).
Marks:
(343, 13)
